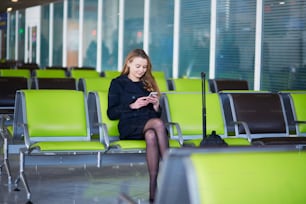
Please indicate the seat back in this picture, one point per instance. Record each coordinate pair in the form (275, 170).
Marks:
(162, 84)
(49, 73)
(97, 108)
(189, 85)
(51, 115)
(54, 83)
(186, 110)
(159, 74)
(298, 101)
(262, 113)
(234, 176)
(94, 84)
(111, 73)
(8, 88)
(15, 73)
(83, 73)
(217, 85)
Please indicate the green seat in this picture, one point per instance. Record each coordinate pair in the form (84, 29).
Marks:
(184, 116)
(243, 175)
(298, 101)
(83, 73)
(111, 73)
(101, 124)
(50, 127)
(189, 85)
(159, 74)
(16, 73)
(49, 73)
(162, 84)
(94, 84)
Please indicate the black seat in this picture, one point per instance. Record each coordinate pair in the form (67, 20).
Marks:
(8, 88)
(54, 83)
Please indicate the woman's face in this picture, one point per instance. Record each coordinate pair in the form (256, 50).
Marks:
(138, 67)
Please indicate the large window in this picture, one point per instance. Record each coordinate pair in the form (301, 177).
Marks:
(235, 39)
(194, 38)
(21, 35)
(12, 34)
(58, 34)
(44, 43)
(110, 35)
(161, 35)
(133, 25)
(284, 37)
(90, 33)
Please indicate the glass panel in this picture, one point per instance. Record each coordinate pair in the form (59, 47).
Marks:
(12, 19)
(284, 59)
(44, 43)
(73, 33)
(235, 42)
(58, 34)
(161, 35)
(194, 38)
(21, 35)
(90, 33)
(110, 34)
(133, 25)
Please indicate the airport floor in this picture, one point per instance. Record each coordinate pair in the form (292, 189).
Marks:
(122, 178)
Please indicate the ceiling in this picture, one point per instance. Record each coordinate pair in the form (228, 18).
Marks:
(21, 4)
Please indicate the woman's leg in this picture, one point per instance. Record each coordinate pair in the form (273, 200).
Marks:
(157, 144)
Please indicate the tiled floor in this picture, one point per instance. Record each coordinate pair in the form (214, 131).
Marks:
(60, 181)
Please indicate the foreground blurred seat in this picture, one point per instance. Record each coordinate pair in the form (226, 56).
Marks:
(233, 175)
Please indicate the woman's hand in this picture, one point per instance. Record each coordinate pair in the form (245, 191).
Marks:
(144, 101)
(140, 102)
(154, 99)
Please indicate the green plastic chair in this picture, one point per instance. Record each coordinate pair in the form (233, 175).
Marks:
(83, 73)
(16, 73)
(159, 74)
(111, 73)
(50, 127)
(298, 101)
(49, 73)
(189, 85)
(102, 125)
(243, 175)
(184, 117)
(94, 84)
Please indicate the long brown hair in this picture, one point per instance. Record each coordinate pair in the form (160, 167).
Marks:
(147, 79)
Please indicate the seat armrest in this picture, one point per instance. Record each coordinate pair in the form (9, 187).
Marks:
(179, 131)
(104, 137)
(246, 128)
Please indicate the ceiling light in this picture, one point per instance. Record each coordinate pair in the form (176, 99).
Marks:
(14, 1)
(9, 9)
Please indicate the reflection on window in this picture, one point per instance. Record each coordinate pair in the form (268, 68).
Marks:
(161, 35)
(58, 35)
(235, 42)
(194, 38)
(90, 33)
(133, 25)
(284, 34)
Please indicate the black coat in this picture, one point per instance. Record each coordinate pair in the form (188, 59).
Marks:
(122, 93)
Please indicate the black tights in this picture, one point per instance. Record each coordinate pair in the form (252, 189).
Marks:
(157, 144)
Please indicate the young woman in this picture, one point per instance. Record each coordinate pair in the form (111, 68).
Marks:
(138, 111)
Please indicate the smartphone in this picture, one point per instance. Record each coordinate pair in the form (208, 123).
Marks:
(153, 94)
